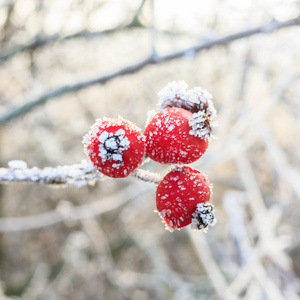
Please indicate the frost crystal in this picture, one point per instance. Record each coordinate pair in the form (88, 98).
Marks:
(79, 174)
(194, 100)
(162, 214)
(112, 145)
(17, 164)
(200, 125)
(173, 95)
(150, 116)
(203, 217)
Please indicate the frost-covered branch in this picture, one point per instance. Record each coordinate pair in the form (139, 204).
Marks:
(73, 175)
(146, 176)
(267, 28)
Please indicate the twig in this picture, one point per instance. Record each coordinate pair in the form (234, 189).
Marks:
(251, 257)
(41, 41)
(72, 175)
(153, 29)
(279, 160)
(210, 265)
(78, 174)
(146, 176)
(268, 28)
(241, 138)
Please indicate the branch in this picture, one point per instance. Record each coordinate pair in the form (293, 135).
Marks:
(73, 175)
(41, 41)
(268, 28)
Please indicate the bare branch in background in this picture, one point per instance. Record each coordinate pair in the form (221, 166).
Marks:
(41, 41)
(66, 212)
(73, 175)
(265, 29)
(210, 265)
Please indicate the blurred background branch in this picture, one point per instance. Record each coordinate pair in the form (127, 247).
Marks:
(265, 29)
(41, 41)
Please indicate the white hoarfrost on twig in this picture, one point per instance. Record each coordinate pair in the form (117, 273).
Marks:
(146, 176)
(17, 164)
(80, 174)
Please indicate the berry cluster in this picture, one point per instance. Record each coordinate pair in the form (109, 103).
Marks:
(178, 134)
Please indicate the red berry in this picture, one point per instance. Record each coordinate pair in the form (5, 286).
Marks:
(115, 147)
(171, 139)
(182, 198)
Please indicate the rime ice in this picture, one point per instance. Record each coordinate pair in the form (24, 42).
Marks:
(17, 164)
(112, 145)
(196, 100)
(78, 174)
(203, 217)
(200, 125)
(173, 95)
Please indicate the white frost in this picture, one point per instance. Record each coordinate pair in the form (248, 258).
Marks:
(17, 164)
(199, 124)
(203, 217)
(112, 145)
(173, 91)
(78, 174)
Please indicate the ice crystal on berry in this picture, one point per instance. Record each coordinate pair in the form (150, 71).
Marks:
(200, 98)
(173, 95)
(203, 217)
(112, 145)
(162, 214)
(193, 100)
(200, 125)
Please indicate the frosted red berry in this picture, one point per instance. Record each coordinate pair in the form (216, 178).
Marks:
(182, 198)
(115, 147)
(171, 139)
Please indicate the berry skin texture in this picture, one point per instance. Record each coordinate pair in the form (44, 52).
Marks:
(170, 138)
(180, 195)
(115, 147)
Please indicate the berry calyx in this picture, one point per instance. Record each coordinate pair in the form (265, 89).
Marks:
(171, 137)
(182, 198)
(193, 100)
(198, 101)
(203, 217)
(115, 147)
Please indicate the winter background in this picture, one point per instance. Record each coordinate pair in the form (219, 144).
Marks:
(65, 63)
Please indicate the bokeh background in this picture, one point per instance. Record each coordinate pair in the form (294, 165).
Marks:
(122, 251)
